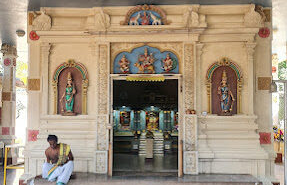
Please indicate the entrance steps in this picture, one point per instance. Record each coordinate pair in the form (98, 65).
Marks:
(156, 179)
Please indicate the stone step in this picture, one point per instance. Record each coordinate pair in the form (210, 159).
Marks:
(123, 178)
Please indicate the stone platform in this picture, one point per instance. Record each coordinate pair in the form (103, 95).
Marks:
(156, 179)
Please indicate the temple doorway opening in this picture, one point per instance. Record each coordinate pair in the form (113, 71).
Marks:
(145, 131)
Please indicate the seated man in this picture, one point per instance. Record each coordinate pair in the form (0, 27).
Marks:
(59, 165)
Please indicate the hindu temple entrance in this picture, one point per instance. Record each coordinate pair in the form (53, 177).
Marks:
(145, 126)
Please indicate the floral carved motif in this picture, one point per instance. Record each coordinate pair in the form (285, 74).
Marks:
(190, 163)
(265, 137)
(103, 80)
(188, 77)
(7, 62)
(190, 134)
(101, 164)
(42, 22)
(32, 135)
(33, 35)
(102, 133)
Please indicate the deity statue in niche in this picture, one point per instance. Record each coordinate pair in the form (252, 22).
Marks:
(152, 121)
(67, 99)
(145, 62)
(169, 64)
(225, 95)
(124, 65)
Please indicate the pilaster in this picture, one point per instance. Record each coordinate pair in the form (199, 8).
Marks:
(102, 123)
(198, 76)
(250, 48)
(45, 53)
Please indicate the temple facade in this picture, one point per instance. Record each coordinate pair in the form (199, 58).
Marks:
(190, 81)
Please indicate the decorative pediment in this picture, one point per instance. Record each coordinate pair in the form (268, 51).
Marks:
(145, 15)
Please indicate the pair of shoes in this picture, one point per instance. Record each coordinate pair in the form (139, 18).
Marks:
(60, 183)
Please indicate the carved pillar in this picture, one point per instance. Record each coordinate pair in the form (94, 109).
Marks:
(188, 77)
(198, 75)
(250, 47)
(101, 156)
(8, 94)
(45, 53)
(189, 127)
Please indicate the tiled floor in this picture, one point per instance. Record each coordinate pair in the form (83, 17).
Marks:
(130, 179)
(92, 179)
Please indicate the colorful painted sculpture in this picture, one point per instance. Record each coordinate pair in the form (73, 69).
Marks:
(145, 62)
(155, 19)
(169, 64)
(152, 122)
(134, 20)
(226, 96)
(145, 18)
(124, 65)
(68, 97)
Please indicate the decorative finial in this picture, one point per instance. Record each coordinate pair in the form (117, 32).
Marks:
(69, 76)
(224, 75)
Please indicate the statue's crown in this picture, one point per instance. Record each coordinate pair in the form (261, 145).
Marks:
(69, 76)
(224, 75)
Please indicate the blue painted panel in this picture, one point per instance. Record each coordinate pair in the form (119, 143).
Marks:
(135, 53)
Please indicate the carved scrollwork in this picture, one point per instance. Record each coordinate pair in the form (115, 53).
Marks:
(188, 77)
(191, 18)
(190, 163)
(42, 21)
(102, 21)
(252, 18)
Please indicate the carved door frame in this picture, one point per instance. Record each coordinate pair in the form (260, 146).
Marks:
(177, 77)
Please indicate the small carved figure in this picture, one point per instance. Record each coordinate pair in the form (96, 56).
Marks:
(168, 64)
(124, 65)
(145, 62)
(155, 19)
(134, 20)
(226, 96)
(145, 18)
(68, 97)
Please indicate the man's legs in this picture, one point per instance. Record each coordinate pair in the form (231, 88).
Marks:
(46, 168)
(64, 177)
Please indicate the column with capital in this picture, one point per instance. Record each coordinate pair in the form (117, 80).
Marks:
(250, 48)
(8, 94)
